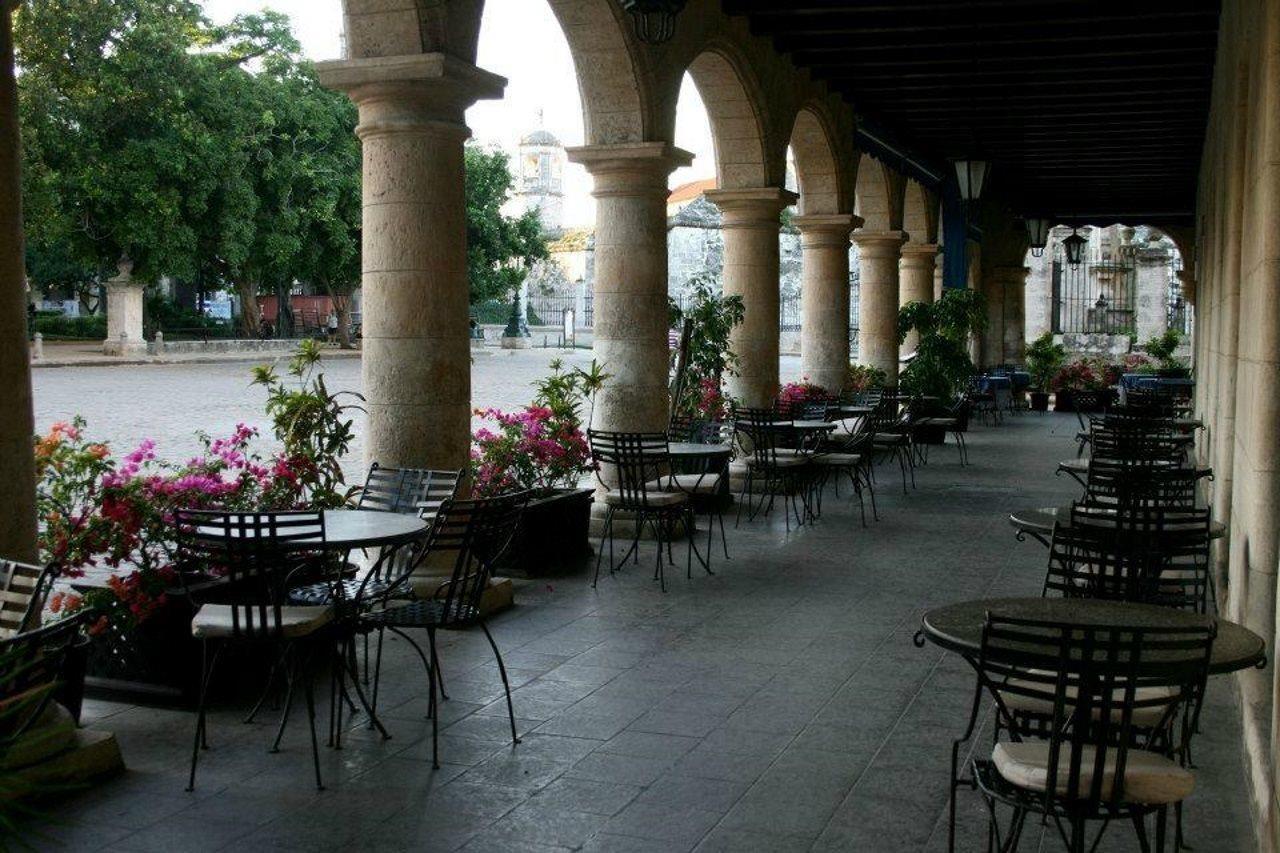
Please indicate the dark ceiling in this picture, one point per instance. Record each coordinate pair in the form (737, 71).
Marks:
(1087, 110)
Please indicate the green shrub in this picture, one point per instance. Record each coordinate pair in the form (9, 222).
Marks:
(62, 327)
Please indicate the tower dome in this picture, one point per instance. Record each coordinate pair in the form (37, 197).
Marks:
(540, 176)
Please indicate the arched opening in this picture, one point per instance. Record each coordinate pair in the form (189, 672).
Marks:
(1126, 290)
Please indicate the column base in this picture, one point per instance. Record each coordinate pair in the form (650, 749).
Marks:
(124, 348)
(522, 342)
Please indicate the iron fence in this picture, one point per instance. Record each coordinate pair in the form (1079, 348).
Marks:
(1095, 296)
(1180, 313)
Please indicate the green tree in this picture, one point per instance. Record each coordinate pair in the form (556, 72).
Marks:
(207, 153)
(500, 248)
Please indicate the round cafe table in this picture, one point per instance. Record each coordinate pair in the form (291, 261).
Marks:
(958, 627)
(1038, 523)
(353, 529)
(682, 451)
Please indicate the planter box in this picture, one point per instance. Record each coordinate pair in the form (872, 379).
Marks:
(1065, 401)
(1039, 401)
(553, 538)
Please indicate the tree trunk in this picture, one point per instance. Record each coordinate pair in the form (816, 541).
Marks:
(342, 304)
(285, 326)
(250, 311)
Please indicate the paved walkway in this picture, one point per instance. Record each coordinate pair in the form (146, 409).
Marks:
(777, 706)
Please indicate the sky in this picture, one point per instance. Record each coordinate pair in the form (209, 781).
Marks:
(522, 41)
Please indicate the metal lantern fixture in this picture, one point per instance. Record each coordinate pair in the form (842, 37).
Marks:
(970, 174)
(1038, 231)
(1074, 247)
(655, 20)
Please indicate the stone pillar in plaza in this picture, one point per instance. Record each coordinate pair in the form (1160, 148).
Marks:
(824, 336)
(878, 257)
(1152, 285)
(17, 486)
(416, 350)
(630, 303)
(124, 313)
(751, 269)
(1013, 283)
(916, 272)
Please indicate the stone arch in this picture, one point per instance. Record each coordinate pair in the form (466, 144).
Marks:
(920, 214)
(878, 196)
(613, 84)
(737, 127)
(819, 169)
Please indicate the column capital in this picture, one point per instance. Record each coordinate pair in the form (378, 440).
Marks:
(826, 229)
(630, 168)
(919, 250)
(879, 244)
(746, 208)
(410, 93)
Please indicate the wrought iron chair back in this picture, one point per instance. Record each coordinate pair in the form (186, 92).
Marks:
(31, 665)
(24, 588)
(756, 433)
(478, 532)
(1095, 678)
(1136, 442)
(260, 555)
(407, 490)
(629, 463)
(1138, 483)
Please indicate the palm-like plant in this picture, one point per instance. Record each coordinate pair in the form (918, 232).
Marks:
(942, 365)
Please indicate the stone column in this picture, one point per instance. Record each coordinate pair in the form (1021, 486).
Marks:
(124, 313)
(631, 320)
(937, 280)
(1152, 284)
(878, 254)
(751, 271)
(824, 335)
(915, 282)
(17, 486)
(1013, 283)
(417, 356)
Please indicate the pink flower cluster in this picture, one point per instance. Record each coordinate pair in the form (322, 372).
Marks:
(531, 449)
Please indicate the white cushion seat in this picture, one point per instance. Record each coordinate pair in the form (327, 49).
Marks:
(944, 423)
(697, 484)
(837, 460)
(216, 621)
(1149, 778)
(1144, 715)
(890, 438)
(656, 499)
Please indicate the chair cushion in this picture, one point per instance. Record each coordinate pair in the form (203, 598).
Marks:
(837, 459)
(696, 484)
(215, 620)
(654, 499)
(782, 461)
(944, 423)
(1149, 778)
(890, 438)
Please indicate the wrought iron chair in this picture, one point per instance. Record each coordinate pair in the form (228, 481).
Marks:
(259, 557)
(631, 467)
(407, 490)
(700, 479)
(771, 467)
(24, 589)
(891, 435)
(31, 665)
(1139, 483)
(477, 533)
(1108, 751)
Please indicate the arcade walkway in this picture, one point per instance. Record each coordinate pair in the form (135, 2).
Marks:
(778, 706)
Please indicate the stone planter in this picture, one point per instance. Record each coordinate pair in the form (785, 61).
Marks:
(1174, 373)
(554, 536)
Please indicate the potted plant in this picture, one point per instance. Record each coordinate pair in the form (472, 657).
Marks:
(793, 395)
(703, 358)
(543, 448)
(1162, 348)
(1084, 385)
(863, 377)
(1044, 359)
(941, 367)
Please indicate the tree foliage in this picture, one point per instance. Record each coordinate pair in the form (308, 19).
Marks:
(206, 153)
(500, 248)
(942, 365)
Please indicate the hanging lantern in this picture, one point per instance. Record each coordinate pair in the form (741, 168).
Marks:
(1038, 232)
(655, 20)
(970, 174)
(1074, 247)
